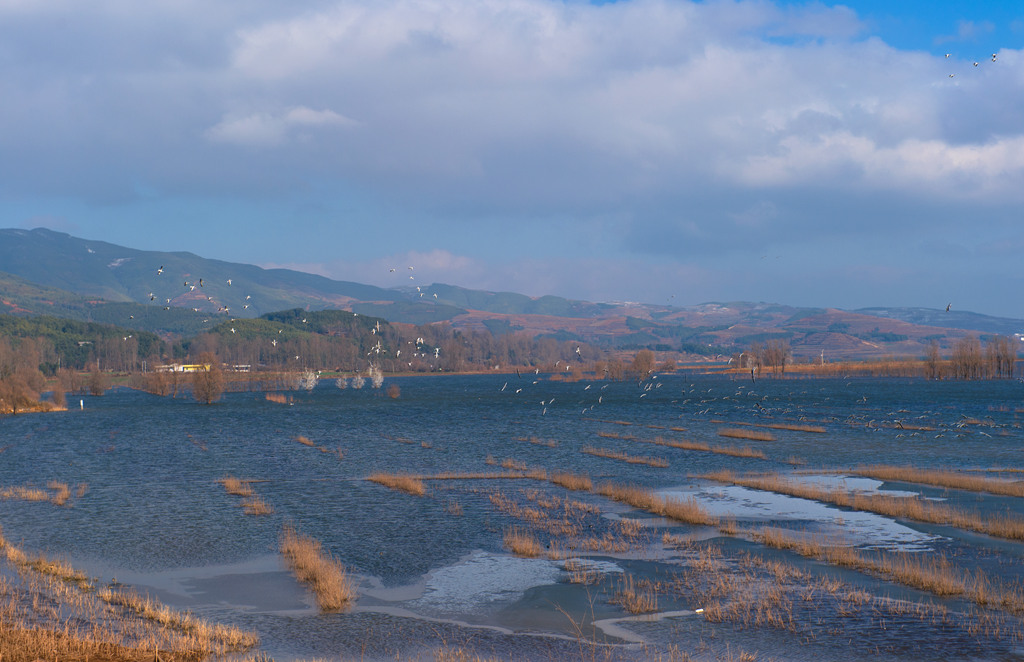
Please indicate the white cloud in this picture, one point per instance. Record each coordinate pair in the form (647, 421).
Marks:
(266, 129)
(649, 127)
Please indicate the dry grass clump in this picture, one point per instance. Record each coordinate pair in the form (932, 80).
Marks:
(279, 398)
(737, 433)
(687, 511)
(581, 573)
(634, 597)
(69, 620)
(685, 445)
(230, 638)
(616, 435)
(571, 481)
(658, 462)
(235, 486)
(797, 427)
(401, 482)
(324, 573)
(257, 506)
(305, 441)
(522, 543)
(61, 492)
(537, 441)
(929, 573)
(25, 494)
(252, 504)
(1006, 526)
(940, 478)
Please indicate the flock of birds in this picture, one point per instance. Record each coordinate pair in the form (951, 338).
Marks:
(191, 287)
(974, 62)
(750, 406)
(377, 348)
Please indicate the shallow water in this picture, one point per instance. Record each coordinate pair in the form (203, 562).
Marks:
(154, 516)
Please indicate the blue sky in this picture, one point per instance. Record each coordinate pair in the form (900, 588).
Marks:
(812, 154)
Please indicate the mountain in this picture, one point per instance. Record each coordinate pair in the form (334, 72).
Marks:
(950, 319)
(182, 294)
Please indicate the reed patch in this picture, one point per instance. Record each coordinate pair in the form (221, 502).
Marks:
(658, 462)
(740, 433)
(400, 482)
(1008, 526)
(939, 478)
(324, 574)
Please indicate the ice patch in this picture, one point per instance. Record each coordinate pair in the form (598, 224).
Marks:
(852, 527)
(483, 579)
(849, 483)
(594, 565)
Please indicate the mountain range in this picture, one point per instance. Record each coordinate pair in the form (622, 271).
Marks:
(181, 294)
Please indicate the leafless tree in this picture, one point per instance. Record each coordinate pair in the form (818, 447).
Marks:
(208, 384)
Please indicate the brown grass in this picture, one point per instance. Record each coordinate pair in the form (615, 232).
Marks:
(67, 619)
(24, 493)
(927, 573)
(522, 543)
(401, 482)
(581, 573)
(940, 478)
(688, 511)
(738, 433)
(235, 486)
(1006, 526)
(278, 398)
(685, 445)
(537, 441)
(257, 506)
(61, 492)
(571, 481)
(658, 462)
(324, 573)
(616, 435)
(232, 638)
(634, 597)
(305, 441)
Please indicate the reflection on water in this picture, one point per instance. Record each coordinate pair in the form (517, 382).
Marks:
(433, 569)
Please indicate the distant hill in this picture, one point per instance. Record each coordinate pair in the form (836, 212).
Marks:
(182, 294)
(952, 319)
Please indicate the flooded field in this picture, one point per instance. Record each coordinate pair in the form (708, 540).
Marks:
(682, 517)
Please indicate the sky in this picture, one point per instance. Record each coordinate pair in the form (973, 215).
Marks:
(660, 151)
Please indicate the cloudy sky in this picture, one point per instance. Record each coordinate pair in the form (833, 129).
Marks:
(664, 151)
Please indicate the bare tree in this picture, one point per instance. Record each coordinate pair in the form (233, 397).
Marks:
(208, 383)
(1002, 356)
(932, 360)
(775, 354)
(967, 359)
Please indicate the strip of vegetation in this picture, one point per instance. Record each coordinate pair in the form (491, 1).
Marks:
(401, 482)
(685, 445)
(940, 478)
(658, 462)
(1000, 526)
(930, 573)
(687, 511)
(324, 573)
(737, 433)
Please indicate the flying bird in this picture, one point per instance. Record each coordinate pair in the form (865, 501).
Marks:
(160, 270)
(947, 306)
